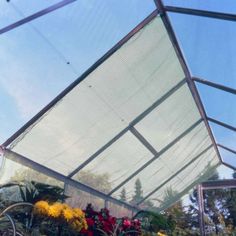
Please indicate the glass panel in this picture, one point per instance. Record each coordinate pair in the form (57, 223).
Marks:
(170, 119)
(225, 6)
(183, 152)
(198, 171)
(228, 157)
(13, 171)
(115, 164)
(125, 85)
(78, 198)
(12, 11)
(37, 75)
(91, 28)
(218, 104)
(224, 136)
(225, 172)
(44, 59)
(119, 211)
(209, 47)
(219, 213)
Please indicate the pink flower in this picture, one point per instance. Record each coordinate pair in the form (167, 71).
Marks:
(126, 223)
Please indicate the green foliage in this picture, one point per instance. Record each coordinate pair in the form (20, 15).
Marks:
(153, 222)
(30, 192)
(34, 191)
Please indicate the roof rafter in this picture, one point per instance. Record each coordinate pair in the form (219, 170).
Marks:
(81, 78)
(129, 127)
(229, 166)
(175, 174)
(226, 148)
(162, 151)
(227, 126)
(203, 13)
(49, 172)
(36, 15)
(191, 84)
(215, 85)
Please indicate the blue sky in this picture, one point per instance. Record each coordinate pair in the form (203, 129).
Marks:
(35, 57)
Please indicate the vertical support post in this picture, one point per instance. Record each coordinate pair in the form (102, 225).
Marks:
(106, 203)
(201, 210)
(65, 189)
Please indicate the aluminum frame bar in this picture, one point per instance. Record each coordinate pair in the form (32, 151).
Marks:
(226, 148)
(186, 190)
(162, 151)
(215, 85)
(211, 185)
(230, 127)
(144, 141)
(203, 13)
(229, 166)
(132, 123)
(81, 78)
(201, 210)
(175, 174)
(191, 84)
(36, 15)
(49, 172)
(219, 184)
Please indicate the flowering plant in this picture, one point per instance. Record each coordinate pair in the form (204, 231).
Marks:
(102, 223)
(62, 214)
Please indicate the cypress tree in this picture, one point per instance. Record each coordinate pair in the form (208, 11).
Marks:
(123, 195)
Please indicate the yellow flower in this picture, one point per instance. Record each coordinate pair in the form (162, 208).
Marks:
(161, 234)
(55, 210)
(68, 213)
(78, 212)
(75, 216)
(41, 207)
(79, 225)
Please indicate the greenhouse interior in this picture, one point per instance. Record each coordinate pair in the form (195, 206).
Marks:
(117, 117)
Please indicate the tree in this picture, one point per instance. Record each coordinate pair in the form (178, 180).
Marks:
(175, 213)
(230, 205)
(123, 195)
(33, 175)
(138, 192)
(98, 181)
(80, 198)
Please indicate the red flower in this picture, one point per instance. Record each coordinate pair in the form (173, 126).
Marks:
(90, 222)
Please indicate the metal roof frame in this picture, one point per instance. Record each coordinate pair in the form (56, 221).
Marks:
(210, 185)
(227, 126)
(203, 13)
(226, 148)
(68, 181)
(191, 84)
(162, 151)
(175, 174)
(130, 127)
(36, 15)
(162, 10)
(229, 166)
(80, 78)
(215, 85)
(219, 184)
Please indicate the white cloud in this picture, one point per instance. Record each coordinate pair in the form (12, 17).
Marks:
(27, 97)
